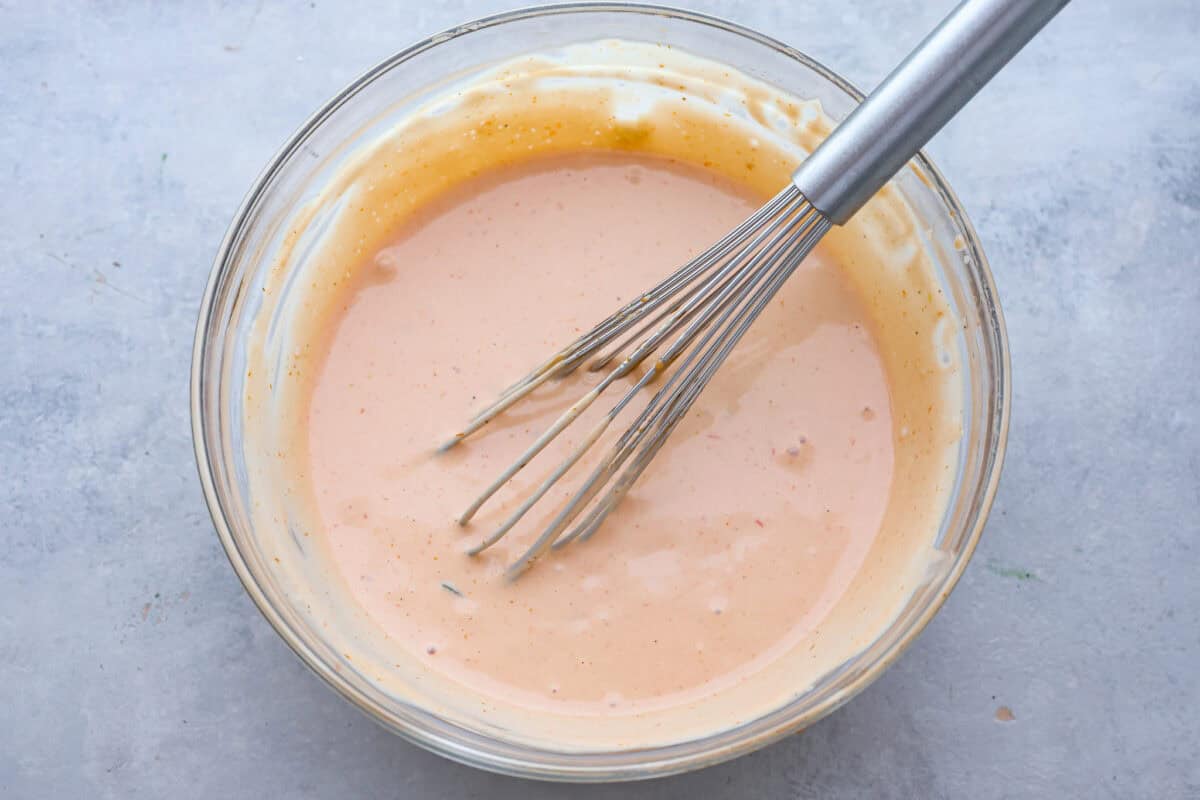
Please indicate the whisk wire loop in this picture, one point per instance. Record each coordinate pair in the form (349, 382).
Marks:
(707, 305)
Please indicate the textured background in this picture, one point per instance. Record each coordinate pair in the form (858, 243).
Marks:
(133, 665)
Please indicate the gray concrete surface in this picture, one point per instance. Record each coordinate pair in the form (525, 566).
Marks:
(133, 666)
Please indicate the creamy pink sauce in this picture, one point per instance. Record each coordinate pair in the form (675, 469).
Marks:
(734, 545)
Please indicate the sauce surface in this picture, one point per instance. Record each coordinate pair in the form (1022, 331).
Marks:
(733, 546)
(451, 245)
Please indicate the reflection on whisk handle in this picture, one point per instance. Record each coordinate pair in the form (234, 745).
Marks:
(916, 100)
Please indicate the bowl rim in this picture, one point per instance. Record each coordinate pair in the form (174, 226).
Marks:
(651, 765)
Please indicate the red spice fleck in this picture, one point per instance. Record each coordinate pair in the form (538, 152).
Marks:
(759, 523)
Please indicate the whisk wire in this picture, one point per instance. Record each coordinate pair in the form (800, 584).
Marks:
(713, 299)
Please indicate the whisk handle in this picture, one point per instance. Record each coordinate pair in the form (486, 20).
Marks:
(916, 100)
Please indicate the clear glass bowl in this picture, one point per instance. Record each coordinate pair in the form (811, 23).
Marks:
(412, 76)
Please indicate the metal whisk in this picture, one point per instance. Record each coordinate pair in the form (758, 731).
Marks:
(706, 306)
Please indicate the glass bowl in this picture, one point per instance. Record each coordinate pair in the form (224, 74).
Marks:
(231, 302)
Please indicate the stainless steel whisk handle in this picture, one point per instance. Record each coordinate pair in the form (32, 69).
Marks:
(916, 100)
